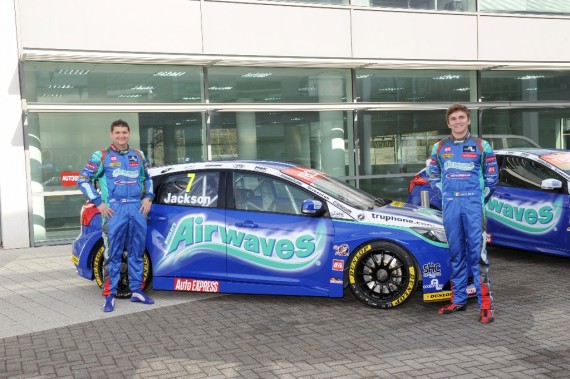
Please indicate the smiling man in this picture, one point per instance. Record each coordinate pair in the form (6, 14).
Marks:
(124, 201)
(464, 168)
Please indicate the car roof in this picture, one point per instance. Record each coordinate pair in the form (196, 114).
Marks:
(221, 164)
(538, 152)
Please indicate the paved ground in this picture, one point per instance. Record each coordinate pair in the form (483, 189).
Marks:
(52, 326)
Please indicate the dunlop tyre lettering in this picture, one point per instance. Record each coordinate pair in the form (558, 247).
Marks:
(123, 290)
(382, 274)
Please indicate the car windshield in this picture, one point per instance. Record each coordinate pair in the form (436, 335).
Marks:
(560, 160)
(336, 189)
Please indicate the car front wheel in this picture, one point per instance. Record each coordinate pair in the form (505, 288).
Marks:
(123, 290)
(382, 274)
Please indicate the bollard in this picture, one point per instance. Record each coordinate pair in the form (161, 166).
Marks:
(425, 199)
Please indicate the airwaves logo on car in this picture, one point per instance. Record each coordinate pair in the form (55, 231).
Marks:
(534, 218)
(293, 251)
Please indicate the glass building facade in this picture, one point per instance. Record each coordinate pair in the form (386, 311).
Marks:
(310, 116)
(350, 102)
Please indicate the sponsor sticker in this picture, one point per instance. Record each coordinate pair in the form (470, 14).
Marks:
(194, 285)
(69, 178)
(468, 155)
(338, 265)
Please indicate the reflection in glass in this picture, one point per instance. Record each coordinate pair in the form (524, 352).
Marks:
(278, 85)
(313, 139)
(525, 85)
(530, 6)
(62, 82)
(413, 86)
(399, 142)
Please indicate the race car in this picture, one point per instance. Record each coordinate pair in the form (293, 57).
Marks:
(261, 227)
(530, 208)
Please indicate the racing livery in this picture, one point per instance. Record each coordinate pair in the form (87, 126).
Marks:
(530, 208)
(276, 228)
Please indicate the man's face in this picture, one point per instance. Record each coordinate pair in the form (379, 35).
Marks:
(120, 137)
(458, 122)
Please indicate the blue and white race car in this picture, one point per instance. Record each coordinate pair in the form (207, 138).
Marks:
(530, 208)
(262, 227)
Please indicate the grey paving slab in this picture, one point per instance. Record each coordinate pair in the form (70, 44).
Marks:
(247, 336)
(40, 290)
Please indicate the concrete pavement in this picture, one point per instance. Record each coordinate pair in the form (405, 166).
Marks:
(52, 326)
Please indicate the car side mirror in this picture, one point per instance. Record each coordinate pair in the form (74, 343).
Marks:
(312, 207)
(550, 184)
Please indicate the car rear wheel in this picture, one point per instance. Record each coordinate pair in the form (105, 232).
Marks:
(123, 290)
(382, 274)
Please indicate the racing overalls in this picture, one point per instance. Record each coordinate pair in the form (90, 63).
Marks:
(466, 172)
(123, 181)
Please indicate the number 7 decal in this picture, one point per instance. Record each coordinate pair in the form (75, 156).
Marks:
(191, 176)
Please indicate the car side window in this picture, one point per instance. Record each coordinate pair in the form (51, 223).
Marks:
(255, 192)
(191, 189)
(524, 173)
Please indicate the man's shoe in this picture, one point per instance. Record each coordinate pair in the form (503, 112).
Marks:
(109, 305)
(139, 297)
(450, 308)
(486, 316)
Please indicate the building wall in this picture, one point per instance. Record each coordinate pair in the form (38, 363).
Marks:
(277, 32)
(225, 28)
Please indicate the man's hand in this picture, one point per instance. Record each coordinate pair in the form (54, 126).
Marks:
(105, 210)
(145, 206)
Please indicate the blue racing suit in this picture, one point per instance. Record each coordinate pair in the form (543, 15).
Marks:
(123, 181)
(466, 172)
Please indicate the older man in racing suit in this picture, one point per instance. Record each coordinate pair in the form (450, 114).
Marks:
(465, 169)
(125, 199)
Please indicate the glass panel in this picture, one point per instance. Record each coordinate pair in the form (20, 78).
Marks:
(414, 85)
(526, 6)
(389, 188)
(278, 85)
(62, 143)
(526, 127)
(266, 194)
(190, 190)
(447, 5)
(525, 85)
(396, 143)
(56, 217)
(61, 82)
(315, 139)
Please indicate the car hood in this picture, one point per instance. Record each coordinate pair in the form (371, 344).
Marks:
(406, 215)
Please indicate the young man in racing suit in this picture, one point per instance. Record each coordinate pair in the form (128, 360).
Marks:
(125, 200)
(465, 169)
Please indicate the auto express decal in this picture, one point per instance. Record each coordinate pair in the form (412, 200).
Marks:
(536, 218)
(286, 251)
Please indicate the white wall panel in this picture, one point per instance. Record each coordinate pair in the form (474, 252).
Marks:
(247, 29)
(13, 181)
(524, 39)
(171, 26)
(414, 35)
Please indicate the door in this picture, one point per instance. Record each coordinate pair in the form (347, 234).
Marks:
(521, 214)
(184, 227)
(270, 241)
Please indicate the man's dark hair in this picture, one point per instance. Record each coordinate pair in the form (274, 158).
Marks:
(121, 124)
(457, 107)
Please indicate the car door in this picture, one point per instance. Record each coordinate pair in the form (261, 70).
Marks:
(184, 226)
(521, 214)
(269, 240)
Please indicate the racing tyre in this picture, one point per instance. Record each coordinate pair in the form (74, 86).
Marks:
(123, 290)
(382, 274)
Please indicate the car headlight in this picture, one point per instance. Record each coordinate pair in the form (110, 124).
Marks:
(436, 235)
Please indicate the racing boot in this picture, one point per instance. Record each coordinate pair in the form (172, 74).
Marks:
(486, 316)
(109, 305)
(139, 297)
(451, 308)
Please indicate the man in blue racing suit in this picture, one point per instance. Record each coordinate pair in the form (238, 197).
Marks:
(124, 201)
(465, 169)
